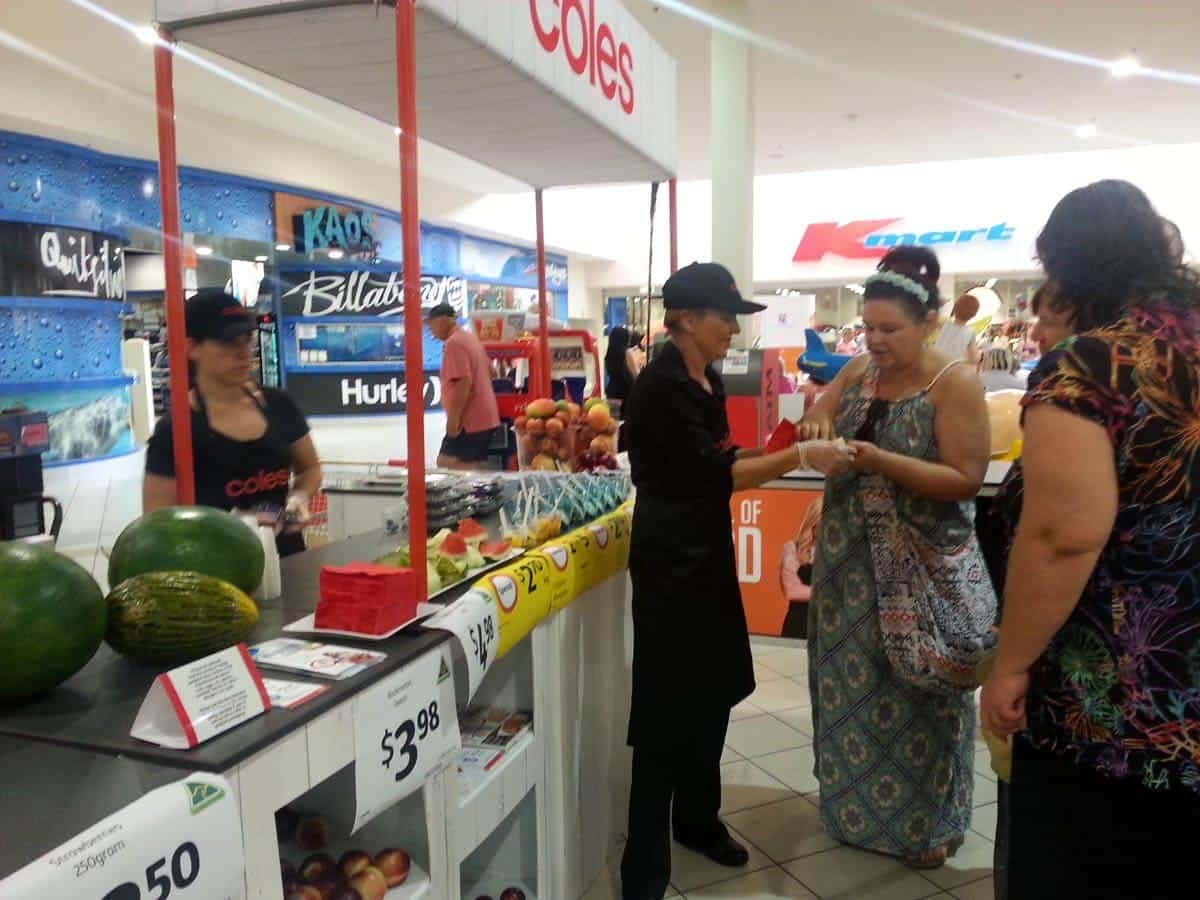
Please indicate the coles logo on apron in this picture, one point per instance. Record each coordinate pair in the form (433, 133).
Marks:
(257, 484)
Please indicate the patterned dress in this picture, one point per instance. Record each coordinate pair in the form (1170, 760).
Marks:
(895, 763)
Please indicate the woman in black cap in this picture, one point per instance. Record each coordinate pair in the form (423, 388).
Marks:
(691, 659)
(251, 447)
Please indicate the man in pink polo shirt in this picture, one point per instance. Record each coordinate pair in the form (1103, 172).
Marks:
(472, 417)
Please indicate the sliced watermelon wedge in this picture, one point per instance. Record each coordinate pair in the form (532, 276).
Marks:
(471, 531)
(453, 546)
(495, 550)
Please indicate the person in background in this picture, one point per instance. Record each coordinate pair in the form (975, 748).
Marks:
(956, 340)
(796, 571)
(251, 447)
(1097, 672)
(623, 362)
(691, 653)
(472, 415)
(895, 761)
(999, 370)
(847, 346)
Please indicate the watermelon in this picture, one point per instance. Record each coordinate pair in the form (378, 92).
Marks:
(472, 532)
(51, 619)
(495, 550)
(175, 617)
(189, 539)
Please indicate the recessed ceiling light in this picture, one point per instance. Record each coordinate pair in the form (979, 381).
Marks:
(1125, 67)
(260, 259)
(1087, 130)
(203, 251)
(336, 253)
(148, 188)
(282, 248)
(146, 34)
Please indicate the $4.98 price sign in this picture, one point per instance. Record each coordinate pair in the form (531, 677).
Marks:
(407, 739)
(182, 841)
(475, 621)
(404, 727)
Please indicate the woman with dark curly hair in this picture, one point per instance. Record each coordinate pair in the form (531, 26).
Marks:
(1098, 668)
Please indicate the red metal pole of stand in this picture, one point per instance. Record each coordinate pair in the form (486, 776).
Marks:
(172, 243)
(543, 301)
(414, 327)
(673, 216)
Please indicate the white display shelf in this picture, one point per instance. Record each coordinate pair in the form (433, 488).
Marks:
(484, 805)
(487, 889)
(418, 886)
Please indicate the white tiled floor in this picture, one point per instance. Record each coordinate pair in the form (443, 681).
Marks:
(769, 802)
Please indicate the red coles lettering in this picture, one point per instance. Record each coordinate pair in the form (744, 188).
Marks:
(257, 484)
(590, 47)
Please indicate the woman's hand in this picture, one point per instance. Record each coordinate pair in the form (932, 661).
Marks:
(816, 426)
(867, 456)
(296, 513)
(827, 457)
(1002, 705)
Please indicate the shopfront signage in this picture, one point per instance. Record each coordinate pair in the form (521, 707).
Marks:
(370, 393)
(46, 260)
(183, 840)
(592, 49)
(333, 226)
(869, 239)
(364, 293)
(405, 728)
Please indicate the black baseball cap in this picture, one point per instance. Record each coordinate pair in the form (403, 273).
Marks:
(213, 315)
(442, 310)
(707, 286)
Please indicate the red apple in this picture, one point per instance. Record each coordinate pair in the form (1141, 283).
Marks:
(512, 893)
(371, 883)
(317, 866)
(353, 862)
(394, 864)
(305, 892)
(330, 884)
(347, 893)
(312, 833)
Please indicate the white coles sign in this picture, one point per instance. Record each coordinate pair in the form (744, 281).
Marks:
(182, 841)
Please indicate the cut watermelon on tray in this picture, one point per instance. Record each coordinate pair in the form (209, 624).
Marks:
(495, 550)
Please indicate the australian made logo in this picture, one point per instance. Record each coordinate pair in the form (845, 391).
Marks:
(872, 238)
(202, 795)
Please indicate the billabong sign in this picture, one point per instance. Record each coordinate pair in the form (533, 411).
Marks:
(869, 239)
(313, 294)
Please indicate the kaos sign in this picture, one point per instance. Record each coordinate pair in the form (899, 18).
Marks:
(591, 48)
(871, 239)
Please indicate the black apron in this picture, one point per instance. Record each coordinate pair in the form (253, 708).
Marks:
(244, 475)
(691, 661)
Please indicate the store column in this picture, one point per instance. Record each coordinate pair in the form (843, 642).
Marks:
(731, 150)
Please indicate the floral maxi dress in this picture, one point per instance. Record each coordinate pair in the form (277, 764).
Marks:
(895, 763)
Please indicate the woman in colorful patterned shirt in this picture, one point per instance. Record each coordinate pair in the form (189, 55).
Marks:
(1099, 658)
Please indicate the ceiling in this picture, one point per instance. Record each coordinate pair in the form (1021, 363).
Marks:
(857, 83)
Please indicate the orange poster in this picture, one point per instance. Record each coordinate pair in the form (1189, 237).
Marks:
(774, 535)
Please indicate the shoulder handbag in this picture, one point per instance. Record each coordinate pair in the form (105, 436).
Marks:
(936, 603)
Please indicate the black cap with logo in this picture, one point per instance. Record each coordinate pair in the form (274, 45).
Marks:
(213, 315)
(707, 286)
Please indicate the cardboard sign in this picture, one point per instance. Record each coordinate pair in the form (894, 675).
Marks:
(193, 703)
(474, 620)
(183, 840)
(405, 727)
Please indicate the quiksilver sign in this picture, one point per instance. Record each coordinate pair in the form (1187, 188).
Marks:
(51, 261)
(313, 294)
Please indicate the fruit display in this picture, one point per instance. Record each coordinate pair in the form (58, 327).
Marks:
(541, 505)
(174, 617)
(452, 555)
(355, 876)
(597, 438)
(189, 539)
(563, 437)
(52, 619)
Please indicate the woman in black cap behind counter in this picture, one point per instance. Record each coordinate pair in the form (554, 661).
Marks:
(251, 447)
(691, 658)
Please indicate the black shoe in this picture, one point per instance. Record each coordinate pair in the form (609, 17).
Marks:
(720, 848)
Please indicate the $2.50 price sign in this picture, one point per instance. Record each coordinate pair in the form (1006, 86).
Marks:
(404, 727)
(474, 620)
(182, 841)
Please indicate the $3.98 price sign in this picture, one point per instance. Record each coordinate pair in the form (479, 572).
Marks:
(407, 739)
(404, 728)
(164, 876)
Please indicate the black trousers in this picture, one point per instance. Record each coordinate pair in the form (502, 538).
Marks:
(1075, 833)
(674, 783)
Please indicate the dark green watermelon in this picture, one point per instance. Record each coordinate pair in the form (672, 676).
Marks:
(189, 539)
(52, 619)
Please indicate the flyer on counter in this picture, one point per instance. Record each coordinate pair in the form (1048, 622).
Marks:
(290, 694)
(314, 658)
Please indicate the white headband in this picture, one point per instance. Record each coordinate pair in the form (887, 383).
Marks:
(903, 282)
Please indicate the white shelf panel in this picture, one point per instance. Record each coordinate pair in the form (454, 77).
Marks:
(486, 804)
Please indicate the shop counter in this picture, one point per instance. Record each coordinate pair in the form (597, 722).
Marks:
(774, 531)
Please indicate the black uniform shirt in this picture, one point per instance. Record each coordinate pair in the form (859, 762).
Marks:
(691, 660)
